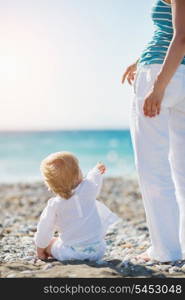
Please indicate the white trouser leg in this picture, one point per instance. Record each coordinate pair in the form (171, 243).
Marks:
(150, 138)
(177, 161)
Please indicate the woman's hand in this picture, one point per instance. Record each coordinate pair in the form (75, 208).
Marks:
(152, 102)
(130, 73)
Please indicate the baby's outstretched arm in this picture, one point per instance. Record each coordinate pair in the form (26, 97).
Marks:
(95, 176)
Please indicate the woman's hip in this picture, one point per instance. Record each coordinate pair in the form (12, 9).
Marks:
(174, 95)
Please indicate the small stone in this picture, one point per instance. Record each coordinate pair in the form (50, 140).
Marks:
(142, 247)
(11, 275)
(109, 242)
(143, 228)
(28, 258)
(72, 276)
(26, 272)
(183, 268)
(124, 264)
(127, 245)
(46, 267)
(8, 257)
(164, 268)
(174, 270)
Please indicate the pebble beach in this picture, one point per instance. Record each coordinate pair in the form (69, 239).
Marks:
(21, 206)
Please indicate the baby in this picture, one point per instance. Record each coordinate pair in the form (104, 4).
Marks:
(80, 219)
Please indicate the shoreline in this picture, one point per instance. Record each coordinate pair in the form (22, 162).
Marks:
(21, 205)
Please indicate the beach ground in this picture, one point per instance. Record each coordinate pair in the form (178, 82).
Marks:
(21, 205)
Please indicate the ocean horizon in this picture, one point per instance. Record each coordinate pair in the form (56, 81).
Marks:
(22, 151)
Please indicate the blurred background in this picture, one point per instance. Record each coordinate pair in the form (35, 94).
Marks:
(61, 64)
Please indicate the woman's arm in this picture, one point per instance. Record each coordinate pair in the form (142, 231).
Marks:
(174, 56)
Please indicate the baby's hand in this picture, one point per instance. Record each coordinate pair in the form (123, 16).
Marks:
(101, 167)
(41, 253)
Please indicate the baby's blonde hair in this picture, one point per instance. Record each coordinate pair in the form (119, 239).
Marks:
(61, 172)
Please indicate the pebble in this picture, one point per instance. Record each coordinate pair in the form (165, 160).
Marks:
(124, 264)
(46, 267)
(28, 258)
(7, 257)
(183, 268)
(164, 268)
(11, 275)
(173, 270)
(72, 275)
(26, 272)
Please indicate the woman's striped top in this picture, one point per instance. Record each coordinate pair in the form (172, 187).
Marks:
(155, 50)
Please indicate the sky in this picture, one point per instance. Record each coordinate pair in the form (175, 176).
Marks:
(61, 62)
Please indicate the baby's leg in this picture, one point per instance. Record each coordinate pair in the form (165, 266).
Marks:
(48, 249)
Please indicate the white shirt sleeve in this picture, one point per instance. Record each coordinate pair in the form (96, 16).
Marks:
(46, 225)
(96, 178)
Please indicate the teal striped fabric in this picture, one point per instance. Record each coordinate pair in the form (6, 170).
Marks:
(155, 50)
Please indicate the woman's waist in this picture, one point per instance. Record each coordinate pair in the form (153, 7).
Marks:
(160, 39)
(155, 51)
(157, 66)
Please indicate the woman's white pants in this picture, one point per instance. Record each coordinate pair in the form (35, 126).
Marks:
(159, 150)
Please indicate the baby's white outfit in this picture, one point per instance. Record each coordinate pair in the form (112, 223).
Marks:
(81, 221)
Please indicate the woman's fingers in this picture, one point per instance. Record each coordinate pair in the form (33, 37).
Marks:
(158, 108)
(151, 108)
(152, 103)
(129, 80)
(125, 75)
(133, 76)
(130, 77)
(129, 74)
(145, 107)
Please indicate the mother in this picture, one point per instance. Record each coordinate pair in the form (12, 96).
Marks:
(157, 122)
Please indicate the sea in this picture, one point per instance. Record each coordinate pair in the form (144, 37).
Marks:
(21, 152)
